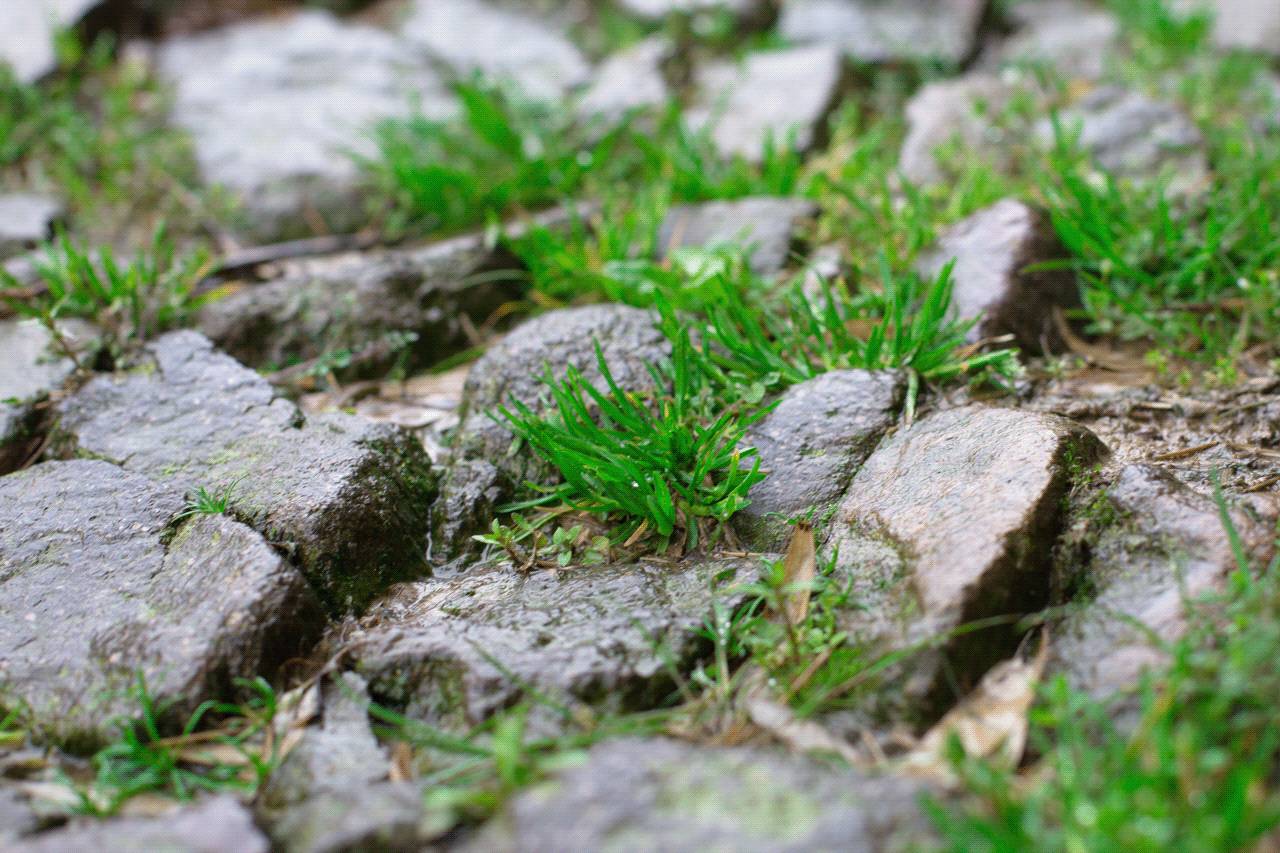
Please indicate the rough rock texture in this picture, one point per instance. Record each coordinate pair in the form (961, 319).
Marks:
(946, 112)
(656, 10)
(348, 499)
(992, 250)
(1074, 38)
(17, 818)
(27, 37)
(469, 491)
(952, 521)
(216, 825)
(812, 445)
(871, 31)
(357, 301)
(784, 95)
(99, 579)
(1247, 25)
(629, 80)
(29, 372)
(275, 106)
(634, 795)
(25, 220)
(1130, 135)
(474, 36)
(767, 224)
(372, 816)
(1165, 545)
(454, 652)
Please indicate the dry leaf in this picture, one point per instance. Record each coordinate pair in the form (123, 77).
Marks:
(401, 762)
(148, 805)
(1099, 355)
(212, 754)
(800, 735)
(800, 566)
(991, 722)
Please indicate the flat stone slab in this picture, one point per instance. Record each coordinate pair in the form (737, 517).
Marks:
(780, 95)
(992, 251)
(502, 44)
(1165, 545)
(948, 112)
(454, 652)
(30, 370)
(275, 107)
(658, 794)
(25, 220)
(346, 498)
(767, 225)
(874, 31)
(100, 579)
(1252, 25)
(657, 10)
(1075, 39)
(629, 80)
(216, 825)
(951, 521)
(812, 444)
(30, 27)
(362, 300)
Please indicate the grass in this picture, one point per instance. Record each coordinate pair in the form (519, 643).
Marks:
(1195, 770)
(206, 502)
(131, 302)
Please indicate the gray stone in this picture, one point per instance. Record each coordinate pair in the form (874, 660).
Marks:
(812, 444)
(873, 31)
(357, 301)
(216, 825)
(1162, 545)
(1073, 38)
(25, 220)
(470, 491)
(30, 26)
(639, 795)
(629, 80)
(657, 10)
(952, 521)
(275, 108)
(100, 580)
(454, 652)
(30, 370)
(1247, 25)
(1131, 136)
(348, 499)
(476, 37)
(949, 112)
(17, 818)
(783, 95)
(375, 816)
(992, 250)
(767, 225)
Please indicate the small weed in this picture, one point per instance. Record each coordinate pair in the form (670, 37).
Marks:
(574, 545)
(207, 502)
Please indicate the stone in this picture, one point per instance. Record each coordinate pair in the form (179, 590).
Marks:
(374, 816)
(502, 44)
(25, 220)
(102, 577)
(948, 522)
(1073, 38)
(30, 28)
(812, 444)
(657, 10)
(31, 369)
(629, 80)
(453, 652)
(1131, 136)
(347, 499)
(1252, 25)
(17, 818)
(364, 300)
(276, 107)
(637, 794)
(949, 112)
(470, 492)
(992, 250)
(1164, 544)
(779, 95)
(766, 225)
(877, 31)
(215, 825)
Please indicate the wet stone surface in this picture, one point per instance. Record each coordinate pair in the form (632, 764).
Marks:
(815, 440)
(31, 369)
(872, 31)
(25, 220)
(665, 795)
(948, 112)
(992, 251)
(767, 225)
(27, 38)
(455, 651)
(347, 499)
(101, 576)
